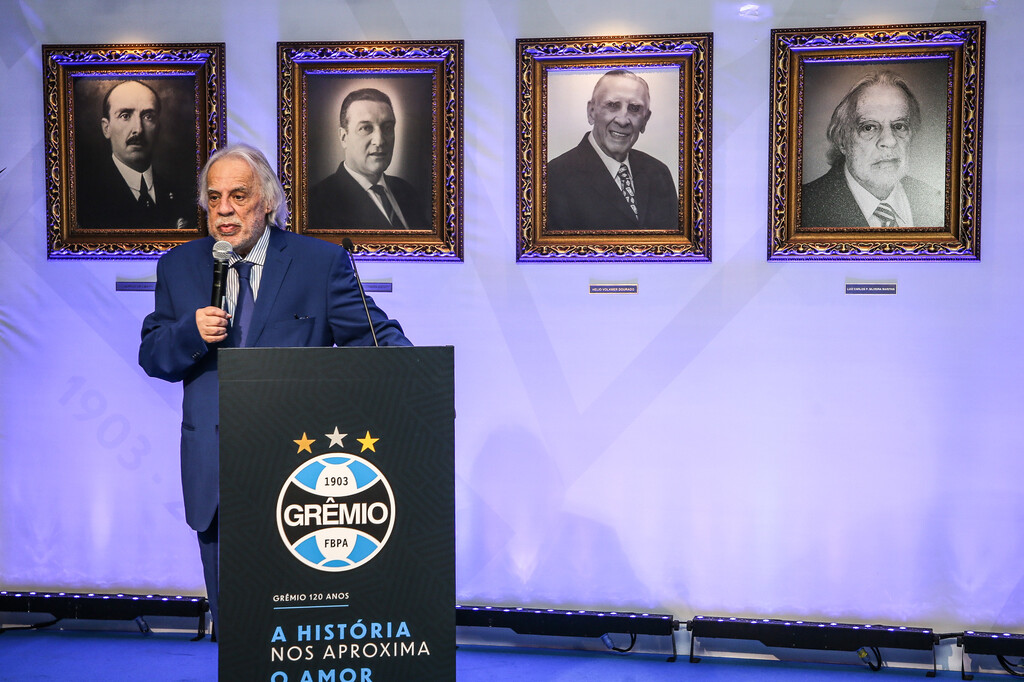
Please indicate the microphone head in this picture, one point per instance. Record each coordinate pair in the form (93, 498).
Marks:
(222, 250)
(347, 243)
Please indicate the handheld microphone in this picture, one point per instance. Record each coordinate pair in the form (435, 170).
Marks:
(347, 243)
(221, 254)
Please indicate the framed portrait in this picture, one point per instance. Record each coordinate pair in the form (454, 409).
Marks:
(614, 148)
(875, 142)
(370, 139)
(128, 127)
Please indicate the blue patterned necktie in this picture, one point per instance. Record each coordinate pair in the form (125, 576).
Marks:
(626, 184)
(886, 215)
(245, 303)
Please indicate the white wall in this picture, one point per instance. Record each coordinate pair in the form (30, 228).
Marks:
(739, 438)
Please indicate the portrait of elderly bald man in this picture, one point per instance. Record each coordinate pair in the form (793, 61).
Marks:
(123, 189)
(359, 194)
(604, 183)
(869, 184)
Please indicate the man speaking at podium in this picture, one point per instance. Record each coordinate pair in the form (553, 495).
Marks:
(281, 290)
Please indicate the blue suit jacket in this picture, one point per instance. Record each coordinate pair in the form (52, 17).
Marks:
(307, 297)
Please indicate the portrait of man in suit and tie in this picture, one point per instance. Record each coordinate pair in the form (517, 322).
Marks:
(128, 176)
(874, 154)
(604, 183)
(365, 191)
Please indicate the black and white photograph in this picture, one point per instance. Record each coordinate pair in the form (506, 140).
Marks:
(370, 159)
(875, 142)
(127, 129)
(614, 148)
(135, 150)
(370, 145)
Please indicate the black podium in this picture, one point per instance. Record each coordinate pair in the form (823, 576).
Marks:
(337, 514)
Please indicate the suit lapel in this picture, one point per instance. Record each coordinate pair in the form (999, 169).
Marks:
(125, 196)
(606, 188)
(843, 201)
(274, 270)
(203, 271)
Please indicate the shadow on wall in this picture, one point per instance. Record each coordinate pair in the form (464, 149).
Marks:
(525, 547)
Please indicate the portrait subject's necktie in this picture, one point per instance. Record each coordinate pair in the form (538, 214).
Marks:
(145, 201)
(626, 184)
(389, 210)
(886, 215)
(245, 303)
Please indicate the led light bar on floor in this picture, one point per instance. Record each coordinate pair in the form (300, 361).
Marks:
(1000, 644)
(799, 634)
(63, 605)
(567, 623)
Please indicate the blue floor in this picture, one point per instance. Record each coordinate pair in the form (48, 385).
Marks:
(86, 656)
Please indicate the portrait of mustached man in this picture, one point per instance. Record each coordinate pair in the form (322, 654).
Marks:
(122, 189)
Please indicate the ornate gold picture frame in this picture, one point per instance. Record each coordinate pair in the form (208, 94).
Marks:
(370, 139)
(875, 142)
(118, 116)
(587, 108)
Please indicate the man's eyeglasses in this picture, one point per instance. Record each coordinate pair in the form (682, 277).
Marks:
(869, 131)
